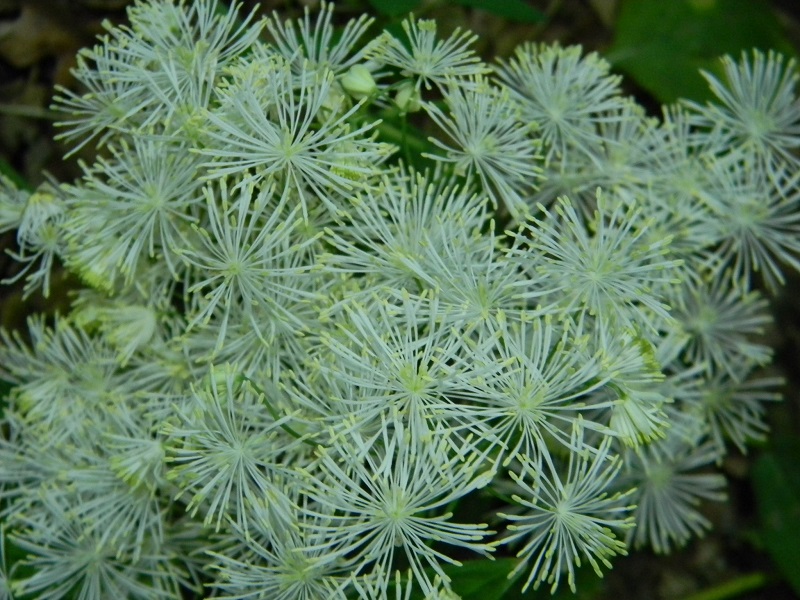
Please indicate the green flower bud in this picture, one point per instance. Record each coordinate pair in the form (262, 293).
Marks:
(408, 97)
(358, 82)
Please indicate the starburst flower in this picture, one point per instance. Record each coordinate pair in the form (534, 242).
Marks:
(316, 43)
(605, 270)
(398, 232)
(40, 237)
(492, 143)
(734, 408)
(388, 493)
(541, 388)
(757, 110)
(564, 93)
(150, 194)
(633, 400)
(224, 448)
(722, 320)
(242, 251)
(63, 371)
(671, 480)
(568, 517)
(65, 556)
(284, 130)
(403, 357)
(426, 59)
(283, 561)
(756, 221)
(163, 66)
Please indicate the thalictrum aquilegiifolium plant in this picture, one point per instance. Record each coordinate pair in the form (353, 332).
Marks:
(296, 352)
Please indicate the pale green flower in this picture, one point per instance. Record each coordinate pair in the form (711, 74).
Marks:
(672, 477)
(722, 322)
(64, 556)
(150, 195)
(285, 131)
(282, 561)
(603, 269)
(388, 494)
(544, 374)
(314, 42)
(240, 254)
(755, 219)
(735, 408)
(425, 58)
(40, 238)
(492, 143)
(225, 448)
(564, 93)
(757, 109)
(564, 519)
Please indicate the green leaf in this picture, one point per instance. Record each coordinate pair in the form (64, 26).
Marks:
(776, 476)
(482, 579)
(17, 179)
(518, 11)
(588, 587)
(662, 45)
(394, 8)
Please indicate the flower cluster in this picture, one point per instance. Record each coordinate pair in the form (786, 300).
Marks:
(306, 332)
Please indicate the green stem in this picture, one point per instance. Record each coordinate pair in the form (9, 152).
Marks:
(32, 112)
(731, 589)
(395, 135)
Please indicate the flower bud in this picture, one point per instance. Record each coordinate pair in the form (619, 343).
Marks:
(408, 98)
(358, 82)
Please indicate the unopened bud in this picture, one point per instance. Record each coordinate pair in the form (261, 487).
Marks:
(408, 98)
(358, 82)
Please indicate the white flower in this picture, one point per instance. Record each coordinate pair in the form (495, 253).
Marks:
(565, 94)
(64, 555)
(604, 268)
(403, 358)
(722, 321)
(757, 109)
(284, 130)
(671, 479)
(40, 237)
(734, 409)
(158, 71)
(568, 518)
(225, 448)
(242, 254)
(492, 141)
(66, 379)
(755, 219)
(540, 388)
(427, 59)
(398, 230)
(318, 45)
(149, 194)
(281, 561)
(389, 493)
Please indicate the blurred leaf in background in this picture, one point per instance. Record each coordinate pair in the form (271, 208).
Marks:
(517, 11)
(662, 44)
(776, 478)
